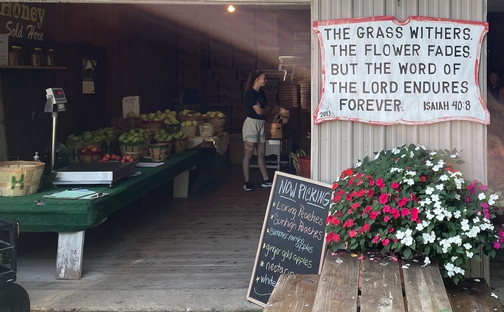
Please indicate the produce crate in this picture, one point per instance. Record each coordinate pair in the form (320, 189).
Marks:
(20, 178)
(8, 256)
(152, 125)
(134, 150)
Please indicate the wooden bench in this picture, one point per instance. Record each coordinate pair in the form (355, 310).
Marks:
(348, 283)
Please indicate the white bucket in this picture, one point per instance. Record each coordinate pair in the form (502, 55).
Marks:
(206, 130)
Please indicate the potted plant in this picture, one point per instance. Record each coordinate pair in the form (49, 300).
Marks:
(412, 201)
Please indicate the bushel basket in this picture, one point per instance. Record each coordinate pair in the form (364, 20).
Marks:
(20, 178)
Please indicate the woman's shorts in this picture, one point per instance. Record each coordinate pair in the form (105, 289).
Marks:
(253, 130)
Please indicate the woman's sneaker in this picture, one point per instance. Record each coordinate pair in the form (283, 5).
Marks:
(248, 186)
(267, 183)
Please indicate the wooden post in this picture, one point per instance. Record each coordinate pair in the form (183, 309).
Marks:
(181, 185)
(69, 257)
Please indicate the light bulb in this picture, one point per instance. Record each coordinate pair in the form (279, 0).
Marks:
(231, 8)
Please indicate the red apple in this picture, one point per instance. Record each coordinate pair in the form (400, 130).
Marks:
(131, 159)
(83, 150)
(94, 149)
(113, 156)
(99, 160)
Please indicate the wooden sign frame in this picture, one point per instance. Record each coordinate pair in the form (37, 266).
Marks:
(316, 269)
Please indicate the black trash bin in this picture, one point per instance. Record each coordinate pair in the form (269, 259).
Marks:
(13, 297)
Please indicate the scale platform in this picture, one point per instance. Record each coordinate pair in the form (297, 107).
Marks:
(92, 173)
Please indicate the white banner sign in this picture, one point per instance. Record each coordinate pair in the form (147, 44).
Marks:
(381, 71)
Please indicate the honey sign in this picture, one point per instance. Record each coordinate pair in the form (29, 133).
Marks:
(23, 21)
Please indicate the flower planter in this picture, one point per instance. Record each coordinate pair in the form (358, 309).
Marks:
(304, 166)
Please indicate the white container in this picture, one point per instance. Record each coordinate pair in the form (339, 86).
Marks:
(206, 130)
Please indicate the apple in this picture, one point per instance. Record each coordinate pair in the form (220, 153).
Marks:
(131, 159)
(112, 156)
(94, 149)
(83, 150)
(131, 115)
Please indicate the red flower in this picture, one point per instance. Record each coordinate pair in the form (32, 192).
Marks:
(385, 242)
(366, 227)
(337, 198)
(361, 193)
(370, 193)
(340, 192)
(423, 178)
(346, 173)
(395, 185)
(335, 186)
(349, 197)
(414, 198)
(390, 230)
(402, 202)
(386, 209)
(371, 181)
(333, 220)
(386, 218)
(355, 205)
(368, 209)
(352, 233)
(332, 237)
(374, 214)
(340, 214)
(384, 198)
(405, 212)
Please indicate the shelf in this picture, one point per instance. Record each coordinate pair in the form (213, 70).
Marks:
(32, 67)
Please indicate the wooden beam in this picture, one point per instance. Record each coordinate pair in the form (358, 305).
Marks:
(69, 257)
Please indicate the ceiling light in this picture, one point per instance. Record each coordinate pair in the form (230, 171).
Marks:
(231, 8)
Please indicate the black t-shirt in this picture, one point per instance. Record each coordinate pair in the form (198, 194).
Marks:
(250, 98)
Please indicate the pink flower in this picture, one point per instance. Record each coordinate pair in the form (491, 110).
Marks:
(352, 233)
(395, 185)
(386, 218)
(368, 209)
(386, 209)
(376, 239)
(385, 242)
(496, 245)
(374, 214)
(414, 214)
(366, 227)
(484, 205)
(355, 205)
(402, 202)
(348, 223)
(384, 198)
(390, 230)
(483, 187)
(379, 182)
(333, 220)
(404, 212)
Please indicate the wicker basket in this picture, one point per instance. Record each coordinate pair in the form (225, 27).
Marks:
(218, 123)
(160, 151)
(189, 131)
(152, 125)
(200, 119)
(132, 149)
(20, 178)
(179, 145)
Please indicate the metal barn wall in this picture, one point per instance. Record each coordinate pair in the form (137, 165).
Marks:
(336, 145)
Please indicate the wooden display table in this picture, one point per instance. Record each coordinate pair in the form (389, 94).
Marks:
(71, 217)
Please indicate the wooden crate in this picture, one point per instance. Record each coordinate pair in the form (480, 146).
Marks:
(20, 178)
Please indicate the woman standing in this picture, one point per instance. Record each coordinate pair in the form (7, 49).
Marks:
(253, 127)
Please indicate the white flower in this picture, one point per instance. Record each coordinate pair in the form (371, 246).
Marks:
(358, 164)
(426, 262)
(481, 196)
(457, 214)
(435, 198)
(467, 246)
(377, 156)
(465, 225)
(457, 197)
(428, 163)
(469, 254)
(396, 151)
(403, 155)
(492, 199)
(429, 190)
(439, 187)
(453, 258)
(444, 177)
(428, 238)
(454, 155)
(436, 168)
(410, 182)
(432, 153)
(410, 173)
(440, 163)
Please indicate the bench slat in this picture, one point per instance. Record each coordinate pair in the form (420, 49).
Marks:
(424, 288)
(294, 292)
(470, 295)
(381, 288)
(338, 284)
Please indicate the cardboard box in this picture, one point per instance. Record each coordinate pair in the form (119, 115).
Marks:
(277, 130)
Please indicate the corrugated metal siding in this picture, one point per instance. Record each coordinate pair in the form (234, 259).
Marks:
(336, 145)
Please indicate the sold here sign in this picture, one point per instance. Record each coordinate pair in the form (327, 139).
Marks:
(381, 71)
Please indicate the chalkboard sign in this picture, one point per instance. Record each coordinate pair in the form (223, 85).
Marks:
(292, 239)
